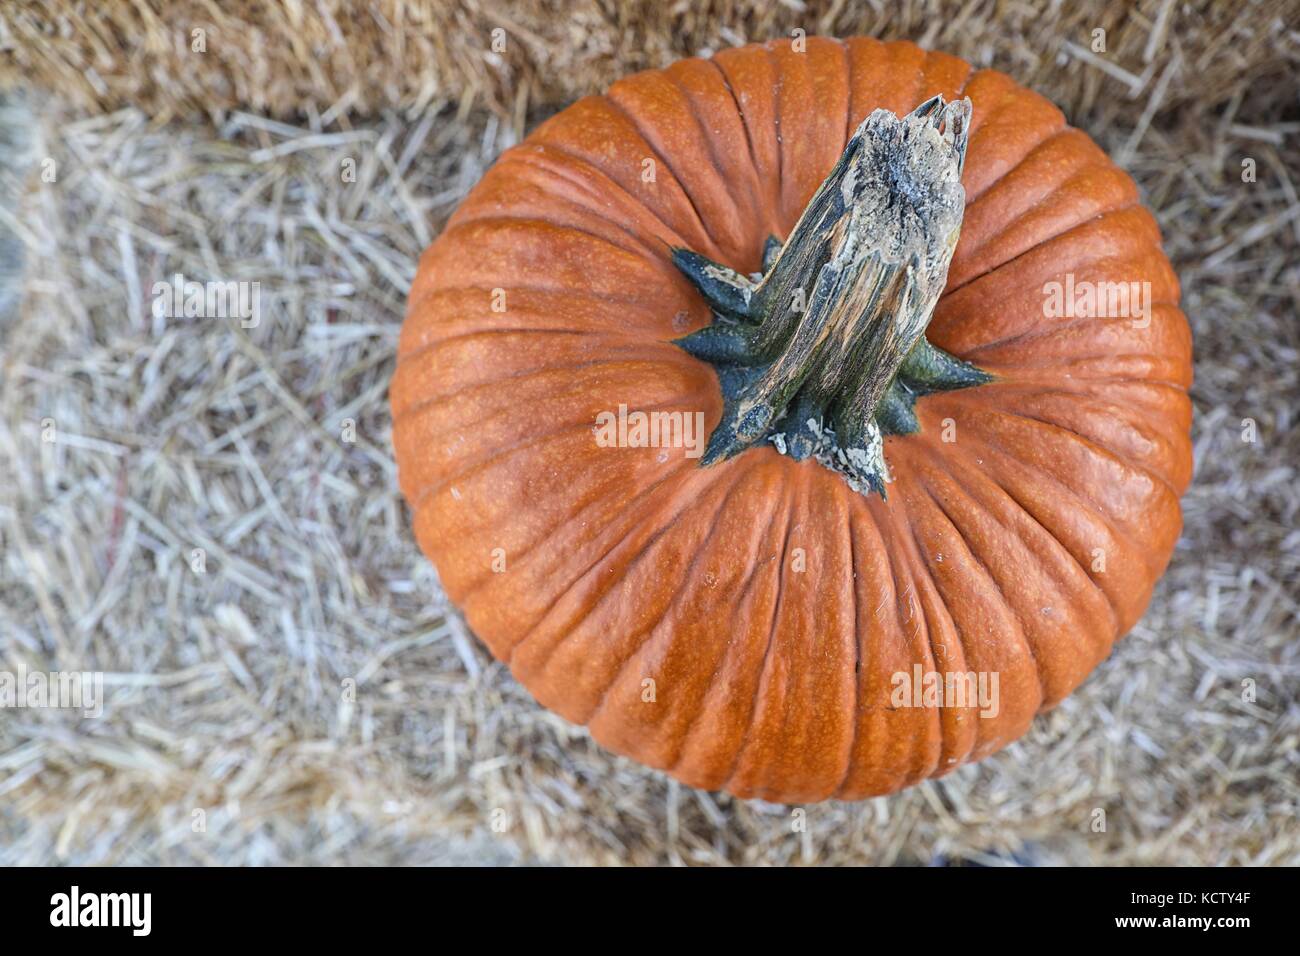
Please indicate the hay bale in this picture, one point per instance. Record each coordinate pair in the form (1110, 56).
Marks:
(333, 57)
(226, 688)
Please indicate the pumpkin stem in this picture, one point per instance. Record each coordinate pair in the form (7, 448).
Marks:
(824, 352)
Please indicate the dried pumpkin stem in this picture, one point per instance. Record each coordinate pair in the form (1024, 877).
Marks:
(825, 351)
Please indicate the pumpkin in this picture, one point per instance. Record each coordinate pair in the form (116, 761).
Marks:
(803, 420)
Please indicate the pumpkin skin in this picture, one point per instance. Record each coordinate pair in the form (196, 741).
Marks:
(769, 602)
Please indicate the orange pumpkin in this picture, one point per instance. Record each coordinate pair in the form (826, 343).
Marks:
(809, 595)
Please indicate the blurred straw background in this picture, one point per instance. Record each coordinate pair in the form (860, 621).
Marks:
(227, 736)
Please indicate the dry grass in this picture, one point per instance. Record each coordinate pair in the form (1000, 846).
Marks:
(225, 687)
